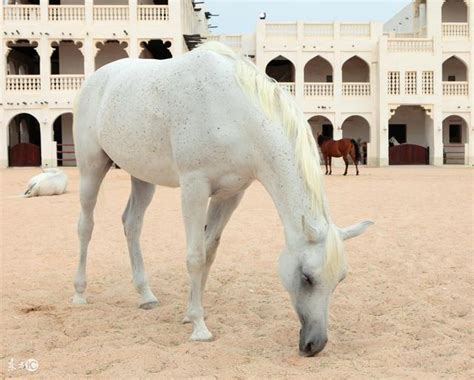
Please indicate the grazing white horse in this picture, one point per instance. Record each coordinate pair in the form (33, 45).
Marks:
(210, 123)
(50, 182)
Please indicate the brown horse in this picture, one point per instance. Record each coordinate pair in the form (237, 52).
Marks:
(339, 148)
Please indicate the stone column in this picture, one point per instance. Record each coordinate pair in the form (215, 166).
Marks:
(48, 145)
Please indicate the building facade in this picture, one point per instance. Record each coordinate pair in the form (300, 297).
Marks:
(404, 90)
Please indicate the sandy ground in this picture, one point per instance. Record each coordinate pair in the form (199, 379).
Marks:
(404, 310)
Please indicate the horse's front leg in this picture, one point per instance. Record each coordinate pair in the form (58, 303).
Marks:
(195, 192)
(326, 163)
(330, 165)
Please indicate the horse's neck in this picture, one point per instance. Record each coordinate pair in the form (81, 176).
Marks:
(290, 196)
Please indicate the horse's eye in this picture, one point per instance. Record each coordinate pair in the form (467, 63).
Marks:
(307, 279)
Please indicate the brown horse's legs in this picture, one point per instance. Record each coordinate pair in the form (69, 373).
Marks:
(354, 160)
(330, 165)
(346, 161)
(326, 163)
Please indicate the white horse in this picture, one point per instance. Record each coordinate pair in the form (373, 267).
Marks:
(210, 123)
(50, 182)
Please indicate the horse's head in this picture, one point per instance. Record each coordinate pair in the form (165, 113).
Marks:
(310, 272)
(321, 139)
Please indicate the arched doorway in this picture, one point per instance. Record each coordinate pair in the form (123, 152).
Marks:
(455, 138)
(155, 49)
(24, 141)
(358, 128)
(318, 70)
(455, 82)
(355, 70)
(110, 51)
(410, 131)
(62, 132)
(321, 125)
(281, 69)
(454, 11)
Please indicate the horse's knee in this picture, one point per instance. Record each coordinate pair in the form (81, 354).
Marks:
(195, 260)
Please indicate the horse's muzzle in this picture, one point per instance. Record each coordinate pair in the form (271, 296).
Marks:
(311, 346)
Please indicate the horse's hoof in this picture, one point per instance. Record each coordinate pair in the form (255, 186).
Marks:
(345, 173)
(201, 336)
(148, 305)
(77, 299)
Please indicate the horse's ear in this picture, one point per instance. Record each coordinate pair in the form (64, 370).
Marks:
(354, 230)
(310, 231)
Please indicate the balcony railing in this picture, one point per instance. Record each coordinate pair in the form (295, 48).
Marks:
(404, 45)
(24, 83)
(288, 86)
(110, 13)
(21, 13)
(66, 82)
(456, 88)
(66, 13)
(455, 30)
(356, 89)
(355, 30)
(318, 89)
(319, 30)
(281, 30)
(153, 13)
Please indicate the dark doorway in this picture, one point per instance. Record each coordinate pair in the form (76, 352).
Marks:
(328, 130)
(455, 136)
(399, 132)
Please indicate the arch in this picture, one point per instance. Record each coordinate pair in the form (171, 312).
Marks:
(155, 49)
(110, 51)
(318, 69)
(67, 58)
(23, 58)
(358, 128)
(455, 137)
(455, 70)
(24, 140)
(281, 69)
(321, 124)
(454, 11)
(62, 134)
(355, 69)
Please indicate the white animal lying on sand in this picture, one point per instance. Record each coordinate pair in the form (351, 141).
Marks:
(50, 182)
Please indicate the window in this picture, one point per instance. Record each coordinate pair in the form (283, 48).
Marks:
(328, 78)
(410, 83)
(393, 85)
(455, 133)
(427, 82)
(451, 78)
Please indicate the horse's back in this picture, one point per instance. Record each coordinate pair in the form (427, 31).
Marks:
(151, 117)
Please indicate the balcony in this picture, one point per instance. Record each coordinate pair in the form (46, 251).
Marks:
(21, 13)
(321, 90)
(66, 13)
(153, 13)
(66, 82)
(288, 86)
(23, 83)
(410, 45)
(356, 89)
(110, 13)
(455, 30)
(455, 88)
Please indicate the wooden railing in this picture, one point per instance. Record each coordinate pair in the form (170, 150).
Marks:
(23, 83)
(356, 89)
(288, 86)
(313, 89)
(66, 13)
(455, 29)
(21, 13)
(153, 13)
(403, 45)
(66, 82)
(110, 13)
(456, 88)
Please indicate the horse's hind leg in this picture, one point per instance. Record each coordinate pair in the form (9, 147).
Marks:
(218, 214)
(92, 172)
(354, 160)
(132, 218)
(330, 165)
(346, 161)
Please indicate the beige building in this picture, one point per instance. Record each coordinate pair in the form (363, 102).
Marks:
(403, 89)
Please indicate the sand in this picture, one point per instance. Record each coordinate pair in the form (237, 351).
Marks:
(404, 310)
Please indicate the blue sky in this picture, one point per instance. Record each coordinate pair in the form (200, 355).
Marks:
(239, 16)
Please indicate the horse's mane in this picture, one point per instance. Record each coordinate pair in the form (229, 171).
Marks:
(279, 105)
(322, 139)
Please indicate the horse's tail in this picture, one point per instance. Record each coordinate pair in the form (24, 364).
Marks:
(357, 150)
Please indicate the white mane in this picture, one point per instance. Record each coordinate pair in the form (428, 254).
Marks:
(279, 105)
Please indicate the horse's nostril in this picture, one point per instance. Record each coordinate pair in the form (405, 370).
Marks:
(309, 348)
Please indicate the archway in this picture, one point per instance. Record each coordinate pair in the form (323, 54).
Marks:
(62, 132)
(318, 70)
(281, 69)
(455, 136)
(67, 58)
(454, 70)
(24, 141)
(110, 51)
(358, 128)
(155, 49)
(321, 125)
(410, 132)
(454, 11)
(23, 59)
(356, 70)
